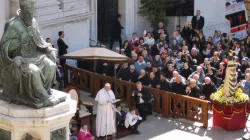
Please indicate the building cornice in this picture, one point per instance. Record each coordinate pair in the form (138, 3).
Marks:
(69, 19)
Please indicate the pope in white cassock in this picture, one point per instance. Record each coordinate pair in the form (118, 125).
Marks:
(105, 120)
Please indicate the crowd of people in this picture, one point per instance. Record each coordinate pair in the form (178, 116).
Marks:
(186, 63)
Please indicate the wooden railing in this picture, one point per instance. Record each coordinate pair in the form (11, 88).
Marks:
(167, 103)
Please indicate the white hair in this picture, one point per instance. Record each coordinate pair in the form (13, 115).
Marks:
(247, 74)
(199, 67)
(208, 78)
(143, 71)
(192, 80)
(132, 66)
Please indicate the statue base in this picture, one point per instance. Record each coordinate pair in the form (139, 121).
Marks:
(19, 122)
(230, 117)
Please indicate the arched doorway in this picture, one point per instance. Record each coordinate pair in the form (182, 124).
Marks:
(106, 14)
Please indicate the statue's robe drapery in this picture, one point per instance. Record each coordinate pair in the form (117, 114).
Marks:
(30, 82)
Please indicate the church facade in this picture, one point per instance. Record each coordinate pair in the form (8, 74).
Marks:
(78, 19)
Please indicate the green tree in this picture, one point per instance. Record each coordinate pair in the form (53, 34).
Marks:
(154, 11)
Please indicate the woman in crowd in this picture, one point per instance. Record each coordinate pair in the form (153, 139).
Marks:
(127, 48)
(222, 71)
(186, 71)
(149, 39)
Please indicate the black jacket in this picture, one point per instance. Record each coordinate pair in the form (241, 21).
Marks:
(208, 90)
(186, 33)
(178, 88)
(146, 96)
(198, 24)
(120, 118)
(123, 74)
(165, 85)
(195, 92)
(157, 35)
(117, 29)
(186, 72)
(62, 47)
(153, 82)
(144, 80)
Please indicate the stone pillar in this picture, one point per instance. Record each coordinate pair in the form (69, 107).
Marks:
(4, 14)
(127, 10)
(93, 21)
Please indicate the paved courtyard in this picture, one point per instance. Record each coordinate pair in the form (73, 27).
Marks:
(157, 128)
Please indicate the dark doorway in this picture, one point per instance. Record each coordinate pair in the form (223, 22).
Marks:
(106, 14)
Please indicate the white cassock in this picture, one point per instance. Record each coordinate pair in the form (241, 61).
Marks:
(105, 121)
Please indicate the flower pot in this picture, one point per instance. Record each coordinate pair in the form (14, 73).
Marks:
(229, 117)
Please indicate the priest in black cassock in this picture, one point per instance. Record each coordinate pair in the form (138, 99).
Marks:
(143, 78)
(142, 97)
(153, 81)
(123, 72)
(178, 87)
(164, 83)
(133, 75)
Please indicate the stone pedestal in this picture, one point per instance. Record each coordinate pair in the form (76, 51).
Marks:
(50, 123)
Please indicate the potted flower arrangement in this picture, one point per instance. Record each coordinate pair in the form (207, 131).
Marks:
(219, 98)
(229, 103)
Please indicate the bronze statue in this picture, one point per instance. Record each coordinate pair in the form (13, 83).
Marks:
(28, 67)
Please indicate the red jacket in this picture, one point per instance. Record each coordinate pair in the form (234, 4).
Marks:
(84, 135)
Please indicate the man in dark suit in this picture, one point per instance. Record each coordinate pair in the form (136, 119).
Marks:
(143, 78)
(120, 116)
(62, 47)
(142, 97)
(198, 22)
(116, 32)
(193, 90)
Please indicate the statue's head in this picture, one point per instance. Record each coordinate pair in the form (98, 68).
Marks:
(27, 10)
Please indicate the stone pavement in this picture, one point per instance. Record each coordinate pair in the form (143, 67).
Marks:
(157, 128)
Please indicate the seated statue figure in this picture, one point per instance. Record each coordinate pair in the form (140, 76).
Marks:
(27, 62)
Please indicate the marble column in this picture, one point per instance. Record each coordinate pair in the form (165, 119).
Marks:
(127, 10)
(4, 14)
(93, 21)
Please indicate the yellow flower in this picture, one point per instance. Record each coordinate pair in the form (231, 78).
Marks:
(238, 97)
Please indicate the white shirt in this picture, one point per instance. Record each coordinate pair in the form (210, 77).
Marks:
(237, 50)
(150, 41)
(130, 120)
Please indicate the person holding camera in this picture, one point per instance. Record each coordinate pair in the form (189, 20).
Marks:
(142, 97)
